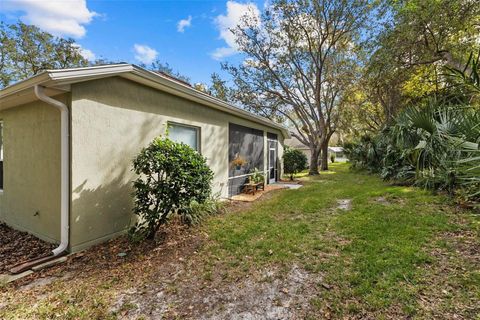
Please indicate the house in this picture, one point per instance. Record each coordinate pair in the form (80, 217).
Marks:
(68, 138)
(338, 151)
(296, 144)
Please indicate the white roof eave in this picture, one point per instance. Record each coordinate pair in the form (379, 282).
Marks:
(63, 77)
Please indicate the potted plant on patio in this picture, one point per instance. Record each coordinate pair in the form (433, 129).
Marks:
(238, 162)
(257, 176)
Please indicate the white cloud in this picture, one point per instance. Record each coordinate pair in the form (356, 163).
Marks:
(223, 52)
(233, 18)
(144, 53)
(184, 23)
(61, 18)
(86, 53)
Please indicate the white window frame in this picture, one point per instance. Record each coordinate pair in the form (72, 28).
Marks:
(197, 129)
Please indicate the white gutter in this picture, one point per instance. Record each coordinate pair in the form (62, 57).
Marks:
(64, 167)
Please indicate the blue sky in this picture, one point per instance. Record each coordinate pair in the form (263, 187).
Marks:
(192, 36)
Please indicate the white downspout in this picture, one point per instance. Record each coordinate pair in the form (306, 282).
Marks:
(64, 167)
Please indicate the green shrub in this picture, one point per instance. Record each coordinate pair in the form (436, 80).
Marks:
(196, 211)
(434, 146)
(333, 157)
(367, 153)
(294, 161)
(257, 176)
(171, 177)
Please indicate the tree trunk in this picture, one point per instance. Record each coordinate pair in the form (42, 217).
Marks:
(325, 156)
(314, 155)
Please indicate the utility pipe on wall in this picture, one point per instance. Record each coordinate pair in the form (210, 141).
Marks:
(64, 167)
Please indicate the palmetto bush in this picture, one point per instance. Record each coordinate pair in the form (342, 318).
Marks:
(469, 76)
(444, 131)
(434, 146)
(367, 153)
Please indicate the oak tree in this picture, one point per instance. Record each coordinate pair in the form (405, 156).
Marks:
(300, 62)
(25, 51)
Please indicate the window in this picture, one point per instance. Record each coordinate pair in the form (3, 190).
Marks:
(183, 133)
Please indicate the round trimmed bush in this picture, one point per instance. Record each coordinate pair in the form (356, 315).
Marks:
(294, 161)
(171, 176)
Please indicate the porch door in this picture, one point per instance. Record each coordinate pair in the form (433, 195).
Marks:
(272, 157)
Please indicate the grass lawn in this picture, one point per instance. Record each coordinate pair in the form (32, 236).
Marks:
(392, 252)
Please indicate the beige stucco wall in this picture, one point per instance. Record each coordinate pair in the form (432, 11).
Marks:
(112, 119)
(30, 199)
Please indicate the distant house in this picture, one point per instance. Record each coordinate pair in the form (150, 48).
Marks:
(296, 144)
(338, 151)
(66, 175)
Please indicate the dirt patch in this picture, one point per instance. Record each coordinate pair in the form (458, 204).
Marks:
(344, 204)
(383, 200)
(270, 294)
(115, 258)
(174, 241)
(181, 288)
(40, 282)
(388, 200)
(17, 246)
